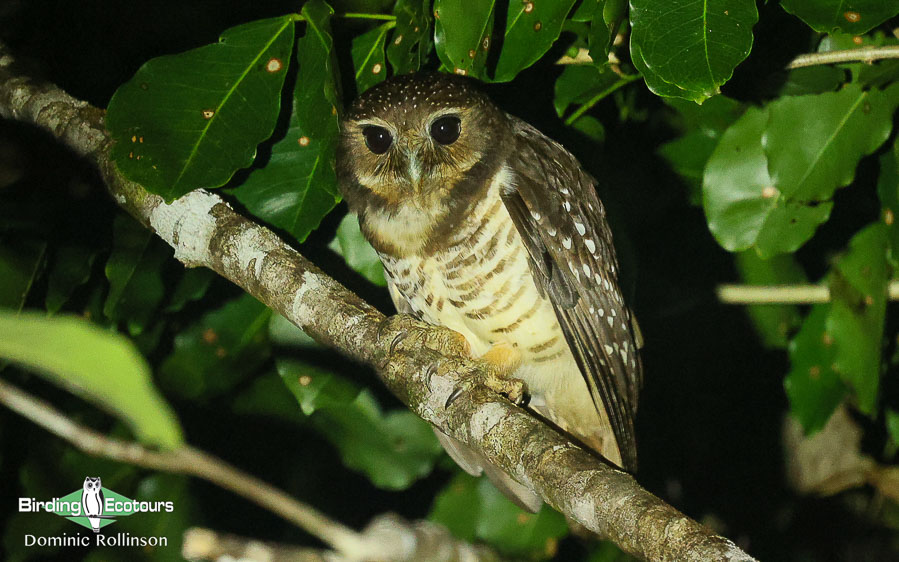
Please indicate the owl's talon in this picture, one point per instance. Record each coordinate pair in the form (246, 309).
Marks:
(429, 373)
(397, 340)
(456, 393)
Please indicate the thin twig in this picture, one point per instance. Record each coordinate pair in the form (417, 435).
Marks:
(864, 54)
(783, 294)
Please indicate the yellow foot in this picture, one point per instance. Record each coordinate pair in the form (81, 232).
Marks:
(498, 363)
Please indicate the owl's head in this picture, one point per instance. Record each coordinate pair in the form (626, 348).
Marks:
(91, 483)
(413, 138)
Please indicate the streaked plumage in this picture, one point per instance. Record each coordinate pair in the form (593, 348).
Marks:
(486, 226)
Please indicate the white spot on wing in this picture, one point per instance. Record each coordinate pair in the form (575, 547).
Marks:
(566, 242)
(590, 245)
(580, 228)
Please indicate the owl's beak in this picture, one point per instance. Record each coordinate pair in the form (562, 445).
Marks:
(413, 166)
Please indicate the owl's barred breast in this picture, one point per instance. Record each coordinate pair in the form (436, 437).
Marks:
(480, 284)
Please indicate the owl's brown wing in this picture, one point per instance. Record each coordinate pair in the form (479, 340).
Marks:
(562, 222)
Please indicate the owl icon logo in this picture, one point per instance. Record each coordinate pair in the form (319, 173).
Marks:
(92, 501)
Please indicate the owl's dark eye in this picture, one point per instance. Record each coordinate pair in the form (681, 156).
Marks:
(446, 129)
(377, 139)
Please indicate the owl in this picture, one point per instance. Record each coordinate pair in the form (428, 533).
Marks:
(92, 501)
(489, 228)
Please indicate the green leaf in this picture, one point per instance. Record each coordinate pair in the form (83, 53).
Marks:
(849, 16)
(394, 449)
(773, 322)
(691, 49)
(812, 80)
(743, 207)
(599, 38)
(462, 35)
(586, 10)
(579, 83)
(591, 127)
(71, 269)
(298, 186)
(531, 29)
(411, 40)
(97, 365)
(858, 288)
(813, 143)
(193, 119)
(358, 253)
(224, 347)
(774, 196)
(368, 57)
(21, 261)
(888, 191)
(473, 509)
(813, 387)
(134, 273)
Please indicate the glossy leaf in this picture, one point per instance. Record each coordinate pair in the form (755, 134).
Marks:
(358, 253)
(813, 387)
(585, 11)
(848, 16)
(221, 349)
(888, 191)
(813, 143)
(298, 186)
(689, 49)
(743, 206)
(579, 83)
(193, 119)
(369, 65)
(773, 322)
(134, 271)
(531, 29)
(462, 30)
(394, 449)
(410, 42)
(95, 364)
(473, 509)
(858, 289)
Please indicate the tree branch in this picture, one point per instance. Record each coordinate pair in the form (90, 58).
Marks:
(864, 54)
(421, 364)
(784, 294)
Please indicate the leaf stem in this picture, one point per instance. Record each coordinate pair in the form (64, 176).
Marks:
(783, 294)
(364, 16)
(623, 81)
(865, 54)
(353, 15)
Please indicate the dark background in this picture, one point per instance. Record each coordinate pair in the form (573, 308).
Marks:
(712, 407)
